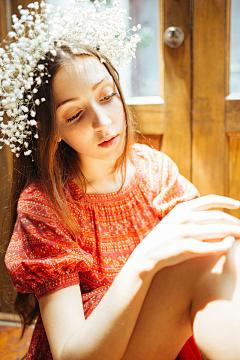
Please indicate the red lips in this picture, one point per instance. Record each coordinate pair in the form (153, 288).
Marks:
(108, 141)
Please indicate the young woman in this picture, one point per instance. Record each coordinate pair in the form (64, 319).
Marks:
(94, 210)
(110, 245)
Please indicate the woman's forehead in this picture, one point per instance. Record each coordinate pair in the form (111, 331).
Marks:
(86, 69)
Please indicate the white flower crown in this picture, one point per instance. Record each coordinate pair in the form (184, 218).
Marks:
(41, 29)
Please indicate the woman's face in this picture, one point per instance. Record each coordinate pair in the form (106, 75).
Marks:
(89, 112)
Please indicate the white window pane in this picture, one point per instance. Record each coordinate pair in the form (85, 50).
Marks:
(141, 77)
(145, 68)
(235, 47)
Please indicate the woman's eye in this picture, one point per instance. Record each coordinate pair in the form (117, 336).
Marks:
(108, 97)
(74, 117)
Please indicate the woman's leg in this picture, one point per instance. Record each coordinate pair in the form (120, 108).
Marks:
(217, 324)
(167, 315)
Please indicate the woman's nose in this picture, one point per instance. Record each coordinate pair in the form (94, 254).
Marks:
(101, 120)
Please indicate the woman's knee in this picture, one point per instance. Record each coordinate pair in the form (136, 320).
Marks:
(216, 311)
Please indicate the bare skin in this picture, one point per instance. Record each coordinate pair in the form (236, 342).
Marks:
(217, 295)
(191, 298)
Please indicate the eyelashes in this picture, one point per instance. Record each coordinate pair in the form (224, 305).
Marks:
(106, 98)
(78, 115)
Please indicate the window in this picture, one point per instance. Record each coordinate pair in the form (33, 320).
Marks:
(235, 48)
(141, 77)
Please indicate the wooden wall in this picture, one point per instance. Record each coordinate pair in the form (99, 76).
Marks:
(6, 289)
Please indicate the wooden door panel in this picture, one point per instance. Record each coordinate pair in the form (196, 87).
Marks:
(234, 171)
(208, 100)
(3, 24)
(177, 88)
(232, 115)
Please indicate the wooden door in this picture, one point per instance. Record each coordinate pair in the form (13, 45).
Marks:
(201, 121)
(194, 119)
(5, 173)
(215, 112)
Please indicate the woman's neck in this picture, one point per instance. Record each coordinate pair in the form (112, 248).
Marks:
(100, 179)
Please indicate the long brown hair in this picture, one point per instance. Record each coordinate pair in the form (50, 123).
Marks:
(54, 163)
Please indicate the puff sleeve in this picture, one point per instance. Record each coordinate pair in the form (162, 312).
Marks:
(162, 179)
(173, 187)
(42, 256)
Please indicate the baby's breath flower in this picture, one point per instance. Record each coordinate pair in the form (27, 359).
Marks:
(37, 32)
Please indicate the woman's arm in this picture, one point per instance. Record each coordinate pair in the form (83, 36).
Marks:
(217, 324)
(105, 334)
(107, 331)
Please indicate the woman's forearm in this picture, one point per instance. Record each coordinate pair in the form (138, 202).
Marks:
(106, 333)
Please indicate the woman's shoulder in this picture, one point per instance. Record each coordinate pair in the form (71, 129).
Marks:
(33, 197)
(161, 176)
(146, 151)
(35, 188)
(149, 153)
(153, 160)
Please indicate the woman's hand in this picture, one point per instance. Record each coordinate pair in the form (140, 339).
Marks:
(188, 231)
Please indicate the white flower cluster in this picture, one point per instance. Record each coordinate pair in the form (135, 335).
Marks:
(40, 29)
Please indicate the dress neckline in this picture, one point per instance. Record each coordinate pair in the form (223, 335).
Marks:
(77, 193)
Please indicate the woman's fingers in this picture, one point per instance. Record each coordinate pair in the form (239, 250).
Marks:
(213, 217)
(211, 201)
(193, 246)
(211, 231)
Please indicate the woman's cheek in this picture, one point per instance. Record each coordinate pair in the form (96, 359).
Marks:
(116, 110)
(72, 136)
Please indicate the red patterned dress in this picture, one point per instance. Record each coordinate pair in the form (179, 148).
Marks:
(44, 257)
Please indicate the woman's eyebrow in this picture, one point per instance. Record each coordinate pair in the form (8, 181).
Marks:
(93, 89)
(66, 101)
(97, 84)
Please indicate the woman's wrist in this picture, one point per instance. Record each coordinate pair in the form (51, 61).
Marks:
(143, 263)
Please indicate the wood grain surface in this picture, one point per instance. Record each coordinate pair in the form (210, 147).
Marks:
(12, 347)
(234, 171)
(233, 116)
(177, 88)
(208, 114)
